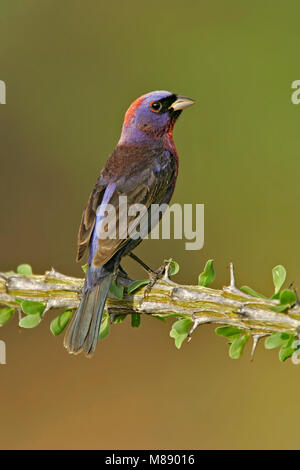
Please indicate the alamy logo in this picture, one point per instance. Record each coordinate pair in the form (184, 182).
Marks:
(2, 92)
(140, 221)
(2, 352)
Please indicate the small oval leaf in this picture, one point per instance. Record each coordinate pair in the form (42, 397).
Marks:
(230, 332)
(59, 323)
(180, 330)
(32, 308)
(276, 340)
(24, 269)
(135, 285)
(30, 321)
(135, 320)
(173, 266)
(105, 328)
(5, 315)
(287, 296)
(280, 308)
(286, 352)
(208, 275)
(84, 268)
(116, 290)
(119, 318)
(250, 291)
(237, 347)
(279, 275)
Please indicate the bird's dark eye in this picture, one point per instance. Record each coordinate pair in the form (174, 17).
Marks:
(155, 106)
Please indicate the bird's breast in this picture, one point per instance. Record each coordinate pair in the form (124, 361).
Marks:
(166, 167)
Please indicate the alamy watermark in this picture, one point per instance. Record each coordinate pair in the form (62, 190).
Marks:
(2, 92)
(2, 352)
(136, 221)
(295, 97)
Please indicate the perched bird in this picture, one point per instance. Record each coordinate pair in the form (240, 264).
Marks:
(144, 168)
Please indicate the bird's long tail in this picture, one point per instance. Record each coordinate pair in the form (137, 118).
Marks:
(83, 331)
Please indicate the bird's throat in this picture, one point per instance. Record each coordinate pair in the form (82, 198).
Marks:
(137, 135)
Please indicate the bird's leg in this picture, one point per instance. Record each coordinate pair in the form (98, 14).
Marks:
(154, 276)
(122, 277)
(141, 262)
(123, 272)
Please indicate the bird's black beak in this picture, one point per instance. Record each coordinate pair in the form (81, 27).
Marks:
(181, 103)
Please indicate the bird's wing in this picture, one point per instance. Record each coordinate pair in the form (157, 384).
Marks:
(141, 187)
(88, 219)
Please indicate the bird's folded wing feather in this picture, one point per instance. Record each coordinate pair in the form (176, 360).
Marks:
(140, 187)
(88, 219)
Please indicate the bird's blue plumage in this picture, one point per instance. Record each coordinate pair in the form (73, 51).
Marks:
(100, 214)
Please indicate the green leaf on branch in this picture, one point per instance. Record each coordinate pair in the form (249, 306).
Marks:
(164, 316)
(284, 341)
(279, 276)
(275, 296)
(33, 311)
(32, 308)
(281, 308)
(288, 349)
(208, 275)
(105, 327)
(237, 339)
(276, 340)
(286, 352)
(116, 290)
(24, 269)
(250, 291)
(135, 320)
(30, 321)
(229, 332)
(136, 285)
(159, 317)
(237, 346)
(59, 323)
(84, 268)
(119, 318)
(180, 330)
(287, 296)
(5, 315)
(173, 266)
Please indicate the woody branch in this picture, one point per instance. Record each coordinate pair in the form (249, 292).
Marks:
(229, 306)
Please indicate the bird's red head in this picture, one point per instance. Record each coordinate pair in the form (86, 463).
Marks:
(152, 116)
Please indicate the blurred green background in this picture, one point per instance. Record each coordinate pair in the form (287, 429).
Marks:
(72, 68)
